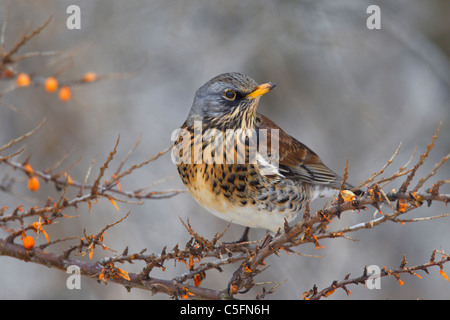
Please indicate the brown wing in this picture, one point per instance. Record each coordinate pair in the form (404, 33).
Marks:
(297, 161)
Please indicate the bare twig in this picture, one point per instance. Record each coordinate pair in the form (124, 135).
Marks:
(7, 58)
(422, 159)
(26, 135)
(94, 188)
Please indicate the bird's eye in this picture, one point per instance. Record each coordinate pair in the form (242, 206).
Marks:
(230, 94)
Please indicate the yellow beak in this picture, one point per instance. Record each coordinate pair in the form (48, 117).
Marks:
(260, 90)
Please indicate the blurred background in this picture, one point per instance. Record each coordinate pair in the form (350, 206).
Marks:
(342, 89)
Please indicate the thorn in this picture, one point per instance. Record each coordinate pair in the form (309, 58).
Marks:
(286, 226)
(338, 212)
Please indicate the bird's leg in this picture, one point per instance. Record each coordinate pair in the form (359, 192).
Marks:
(244, 237)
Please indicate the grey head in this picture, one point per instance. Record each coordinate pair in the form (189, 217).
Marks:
(221, 96)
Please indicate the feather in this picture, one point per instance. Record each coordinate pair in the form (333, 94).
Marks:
(296, 160)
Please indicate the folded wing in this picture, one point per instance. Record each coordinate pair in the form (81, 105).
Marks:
(297, 161)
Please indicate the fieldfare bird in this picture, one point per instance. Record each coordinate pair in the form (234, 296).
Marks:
(240, 165)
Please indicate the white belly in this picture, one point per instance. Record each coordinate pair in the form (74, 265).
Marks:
(248, 215)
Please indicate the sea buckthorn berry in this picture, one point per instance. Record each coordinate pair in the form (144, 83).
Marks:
(51, 84)
(23, 80)
(28, 242)
(64, 93)
(33, 184)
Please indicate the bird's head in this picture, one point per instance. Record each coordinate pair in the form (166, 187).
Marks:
(228, 101)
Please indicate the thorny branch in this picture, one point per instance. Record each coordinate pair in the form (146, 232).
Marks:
(313, 294)
(200, 255)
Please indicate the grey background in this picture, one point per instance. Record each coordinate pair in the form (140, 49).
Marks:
(344, 90)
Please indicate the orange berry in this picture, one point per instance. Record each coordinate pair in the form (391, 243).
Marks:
(64, 93)
(23, 80)
(90, 77)
(33, 184)
(28, 242)
(28, 168)
(51, 84)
